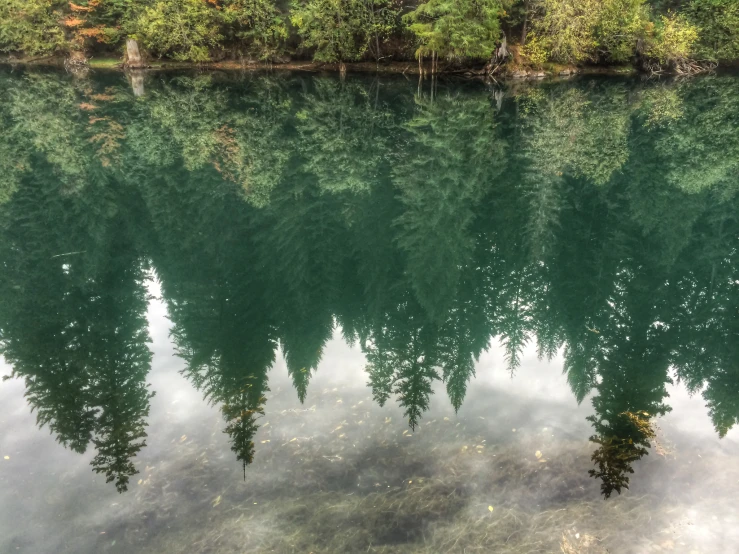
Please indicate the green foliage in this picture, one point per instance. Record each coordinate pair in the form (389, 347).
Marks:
(536, 50)
(456, 28)
(578, 134)
(567, 28)
(718, 21)
(621, 23)
(574, 31)
(381, 21)
(182, 29)
(563, 31)
(672, 39)
(334, 28)
(343, 135)
(257, 22)
(31, 26)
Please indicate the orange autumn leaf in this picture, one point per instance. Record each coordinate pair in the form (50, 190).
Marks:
(73, 22)
(76, 8)
(92, 32)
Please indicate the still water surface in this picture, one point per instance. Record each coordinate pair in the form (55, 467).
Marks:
(294, 314)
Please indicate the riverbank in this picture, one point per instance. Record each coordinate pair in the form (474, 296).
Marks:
(409, 68)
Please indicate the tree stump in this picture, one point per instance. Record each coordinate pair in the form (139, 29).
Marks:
(134, 60)
(499, 57)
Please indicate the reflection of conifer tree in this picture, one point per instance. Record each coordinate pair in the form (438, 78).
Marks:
(702, 315)
(454, 156)
(199, 123)
(402, 359)
(73, 319)
(345, 134)
(467, 330)
(693, 138)
(217, 297)
(228, 358)
(722, 383)
(515, 322)
(120, 361)
(43, 337)
(303, 245)
(580, 273)
(568, 134)
(633, 364)
(375, 273)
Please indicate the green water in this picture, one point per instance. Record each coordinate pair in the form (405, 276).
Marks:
(286, 313)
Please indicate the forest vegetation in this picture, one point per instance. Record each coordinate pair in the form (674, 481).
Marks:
(657, 35)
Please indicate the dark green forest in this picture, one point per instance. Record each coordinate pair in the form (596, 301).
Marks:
(679, 35)
(598, 219)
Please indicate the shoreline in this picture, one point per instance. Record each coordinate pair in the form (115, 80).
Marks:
(406, 68)
(511, 72)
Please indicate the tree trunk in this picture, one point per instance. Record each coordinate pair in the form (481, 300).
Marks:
(499, 57)
(524, 30)
(501, 52)
(133, 55)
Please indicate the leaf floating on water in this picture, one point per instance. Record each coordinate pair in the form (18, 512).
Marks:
(446, 419)
(388, 419)
(265, 442)
(293, 439)
(490, 508)
(538, 454)
(183, 438)
(216, 501)
(6, 457)
(513, 430)
(542, 461)
(141, 481)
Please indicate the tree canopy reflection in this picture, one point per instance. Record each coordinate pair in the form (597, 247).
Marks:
(597, 218)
